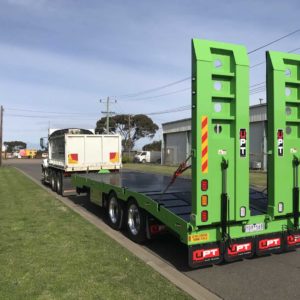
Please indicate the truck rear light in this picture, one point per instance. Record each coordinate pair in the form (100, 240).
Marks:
(243, 211)
(280, 207)
(204, 185)
(204, 200)
(204, 216)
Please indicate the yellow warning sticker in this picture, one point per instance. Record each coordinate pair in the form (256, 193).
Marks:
(198, 237)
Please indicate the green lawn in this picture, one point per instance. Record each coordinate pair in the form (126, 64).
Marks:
(49, 252)
(256, 178)
(154, 168)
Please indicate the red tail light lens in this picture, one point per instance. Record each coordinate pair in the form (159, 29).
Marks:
(243, 134)
(204, 216)
(204, 185)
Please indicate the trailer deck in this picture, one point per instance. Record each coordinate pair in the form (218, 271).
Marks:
(178, 198)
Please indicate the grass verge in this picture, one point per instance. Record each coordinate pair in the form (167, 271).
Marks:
(49, 252)
(154, 168)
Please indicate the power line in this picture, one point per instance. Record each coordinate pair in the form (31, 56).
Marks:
(43, 111)
(274, 41)
(48, 117)
(258, 91)
(161, 95)
(154, 89)
(176, 109)
(263, 62)
(131, 95)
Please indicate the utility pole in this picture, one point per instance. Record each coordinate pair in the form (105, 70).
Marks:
(1, 133)
(129, 137)
(108, 113)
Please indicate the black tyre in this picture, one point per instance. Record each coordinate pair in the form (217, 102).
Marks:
(143, 161)
(136, 222)
(59, 183)
(53, 181)
(115, 212)
(43, 176)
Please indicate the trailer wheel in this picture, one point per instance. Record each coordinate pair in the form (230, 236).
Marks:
(136, 222)
(59, 183)
(53, 181)
(115, 212)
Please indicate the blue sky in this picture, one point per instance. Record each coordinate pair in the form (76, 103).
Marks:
(63, 56)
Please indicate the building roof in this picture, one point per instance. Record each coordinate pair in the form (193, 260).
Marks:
(257, 113)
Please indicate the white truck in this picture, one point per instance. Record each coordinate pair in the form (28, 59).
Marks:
(148, 157)
(75, 150)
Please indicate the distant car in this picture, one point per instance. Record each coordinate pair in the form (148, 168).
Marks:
(44, 155)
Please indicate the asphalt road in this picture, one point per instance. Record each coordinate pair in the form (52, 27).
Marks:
(271, 277)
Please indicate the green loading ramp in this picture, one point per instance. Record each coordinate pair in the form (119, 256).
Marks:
(220, 122)
(283, 88)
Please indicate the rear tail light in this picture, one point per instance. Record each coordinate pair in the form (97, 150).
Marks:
(154, 229)
(204, 216)
(204, 200)
(204, 185)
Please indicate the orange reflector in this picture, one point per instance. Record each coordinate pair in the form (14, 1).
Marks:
(204, 185)
(204, 200)
(204, 216)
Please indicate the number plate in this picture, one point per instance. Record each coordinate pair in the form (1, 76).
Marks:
(254, 227)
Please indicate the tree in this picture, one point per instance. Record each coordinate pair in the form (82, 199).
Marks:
(130, 127)
(14, 146)
(154, 146)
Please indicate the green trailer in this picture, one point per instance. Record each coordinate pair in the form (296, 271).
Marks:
(216, 214)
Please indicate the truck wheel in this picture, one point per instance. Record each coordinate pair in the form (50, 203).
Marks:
(53, 181)
(136, 222)
(43, 176)
(59, 183)
(143, 161)
(115, 212)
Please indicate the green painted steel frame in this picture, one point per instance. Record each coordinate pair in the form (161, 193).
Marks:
(184, 230)
(283, 110)
(220, 85)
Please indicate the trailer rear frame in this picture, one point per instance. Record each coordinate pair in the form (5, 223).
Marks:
(216, 214)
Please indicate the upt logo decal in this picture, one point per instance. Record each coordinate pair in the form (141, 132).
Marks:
(280, 142)
(243, 138)
(204, 254)
(293, 239)
(269, 243)
(239, 248)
